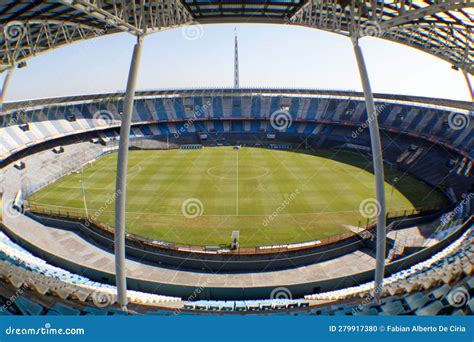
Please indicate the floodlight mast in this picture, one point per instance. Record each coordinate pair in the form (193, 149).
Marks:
(121, 181)
(236, 61)
(377, 159)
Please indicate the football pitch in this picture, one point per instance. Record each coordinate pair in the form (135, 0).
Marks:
(198, 197)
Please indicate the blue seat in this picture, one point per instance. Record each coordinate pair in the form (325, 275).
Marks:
(116, 312)
(393, 308)
(343, 312)
(5, 313)
(458, 312)
(65, 310)
(470, 306)
(367, 312)
(53, 313)
(431, 309)
(470, 284)
(440, 292)
(27, 307)
(93, 311)
(416, 301)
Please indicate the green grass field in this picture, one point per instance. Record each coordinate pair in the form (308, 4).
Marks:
(199, 197)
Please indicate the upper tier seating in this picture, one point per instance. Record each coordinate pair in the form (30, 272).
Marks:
(56, 121)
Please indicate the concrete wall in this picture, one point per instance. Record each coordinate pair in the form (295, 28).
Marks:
(240, 293)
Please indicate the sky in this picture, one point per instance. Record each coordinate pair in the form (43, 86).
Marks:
(280, 56)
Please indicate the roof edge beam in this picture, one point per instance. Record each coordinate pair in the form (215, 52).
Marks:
(90, 7)
(420, 13)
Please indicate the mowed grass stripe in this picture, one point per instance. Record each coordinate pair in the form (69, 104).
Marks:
(326, 194)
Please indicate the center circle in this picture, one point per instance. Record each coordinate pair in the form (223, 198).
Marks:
(245, 172)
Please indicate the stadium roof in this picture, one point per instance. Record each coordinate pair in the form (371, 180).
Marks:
(441, 28)
(352, 95)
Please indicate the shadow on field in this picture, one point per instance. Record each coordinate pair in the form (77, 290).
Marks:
(419, 193)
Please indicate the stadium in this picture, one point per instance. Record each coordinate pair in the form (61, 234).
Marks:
(237, 200)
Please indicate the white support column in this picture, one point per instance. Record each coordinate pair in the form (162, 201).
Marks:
(469, 85)
(378, 169)
(6, 82)
(121, 182)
